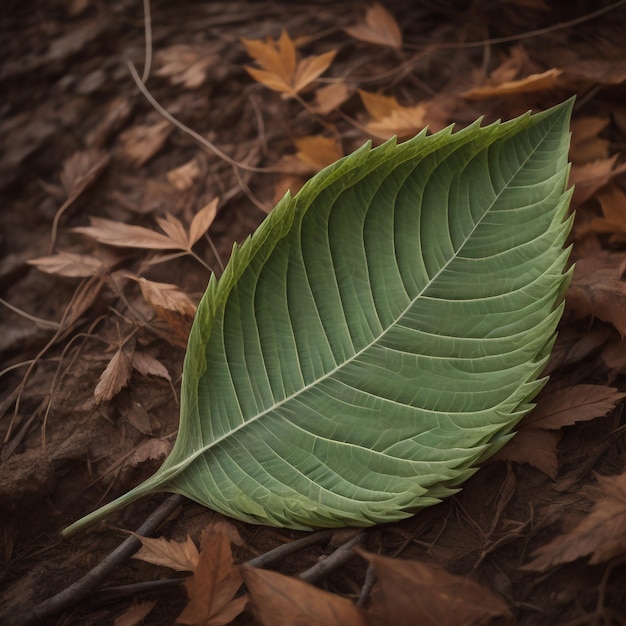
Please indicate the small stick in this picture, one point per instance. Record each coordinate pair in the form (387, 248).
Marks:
(332, 562)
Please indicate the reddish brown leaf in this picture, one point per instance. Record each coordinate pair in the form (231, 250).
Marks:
(278, 599)
(114, 377)
(586, 145)
(590, 177)
(182, 556)
(597, 289)
(213, 586)
(410, 592)
(533, 446)
(379, 27)
(602, 533)
(613, 203)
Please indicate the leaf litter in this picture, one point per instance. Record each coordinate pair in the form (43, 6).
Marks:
(124, 172)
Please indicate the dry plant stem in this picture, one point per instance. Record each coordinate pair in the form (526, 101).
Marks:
(81, 588)
(340, 556)
(368, 583)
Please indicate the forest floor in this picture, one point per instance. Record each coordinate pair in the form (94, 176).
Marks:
(95, 314)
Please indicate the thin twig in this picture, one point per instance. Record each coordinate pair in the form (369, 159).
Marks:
(341, 555)
(90, 581)
(368, 583)
(147, 20)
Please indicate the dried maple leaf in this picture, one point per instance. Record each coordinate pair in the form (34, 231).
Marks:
(115, 376)
(444, 599)
(214, 583)
(379, 27)
(390, 118)
(281, 70)
(601, 533)
(278, 599)
(597, 289)
(182, 556)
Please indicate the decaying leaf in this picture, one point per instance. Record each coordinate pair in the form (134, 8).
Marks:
(202, 221)
(187, 65)
(141, 143)
(379, 27)
(281, 70)
(556, 408)
(147, 365)
(69, 264)
(330, 97)
(182, 556)
(135, 614)
(528, 84)
(150, 450)
(278, 599)
(183, 177)
(598, 71)
(213, 585)
(586, 144)
(601, 533)
(169, 303)
(590, 177)
(123, 235)
(597, 289)
(410, 592)
(613, 221)
(115, 376)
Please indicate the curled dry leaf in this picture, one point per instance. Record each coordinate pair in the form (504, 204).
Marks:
(182, 556)
(115, 376)
(528, 84)
(281, 70)
(278, 599)
(214, 584)
(69, 264)
(379, 27)
(444, 599)
(601, 533)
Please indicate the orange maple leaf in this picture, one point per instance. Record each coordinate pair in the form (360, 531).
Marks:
(281, 69)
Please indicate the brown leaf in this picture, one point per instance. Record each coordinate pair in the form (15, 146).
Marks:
(602, 533)
(213, 586)
(528, 84)
(590, 177)
(182, 556)
(183, 177)
(187, 65)
(150, 450)
(281, 71)
(597, 289)
(123, 235)
(598, 71)
(147, 365)
(135, 613)
(69, 264)
(141, 143)
(379, 27)
(613, 203)
(317, 151)
(202, 221)
(170, 304)
(410, 592)
(586, 145)
(566, 406)
(175, 230)
(534, 446)
(278, 599)
(330, 97)
(114, 377)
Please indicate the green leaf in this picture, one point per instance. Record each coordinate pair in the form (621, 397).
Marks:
(380, 334)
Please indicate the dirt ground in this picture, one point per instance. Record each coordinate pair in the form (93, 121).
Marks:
(80, 141)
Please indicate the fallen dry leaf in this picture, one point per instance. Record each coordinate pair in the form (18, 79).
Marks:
(597, 289)
(601, 533)
(409, 592)
(556, 408)
(182, 556)
(278, 599)
(590, 177)
(317, 151)
(183, 177)
(598, 71)
(613, 203)
(147, 365)
(528, 84)
(379, 27)
(115, 376)
(330, 97)
(135, 613)
(141, 143)
(69, 264)
(150, 450)
(281, 70)
(213, 585)
(123, 235)
(586, 145)
(187, 65)
(202, 221)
